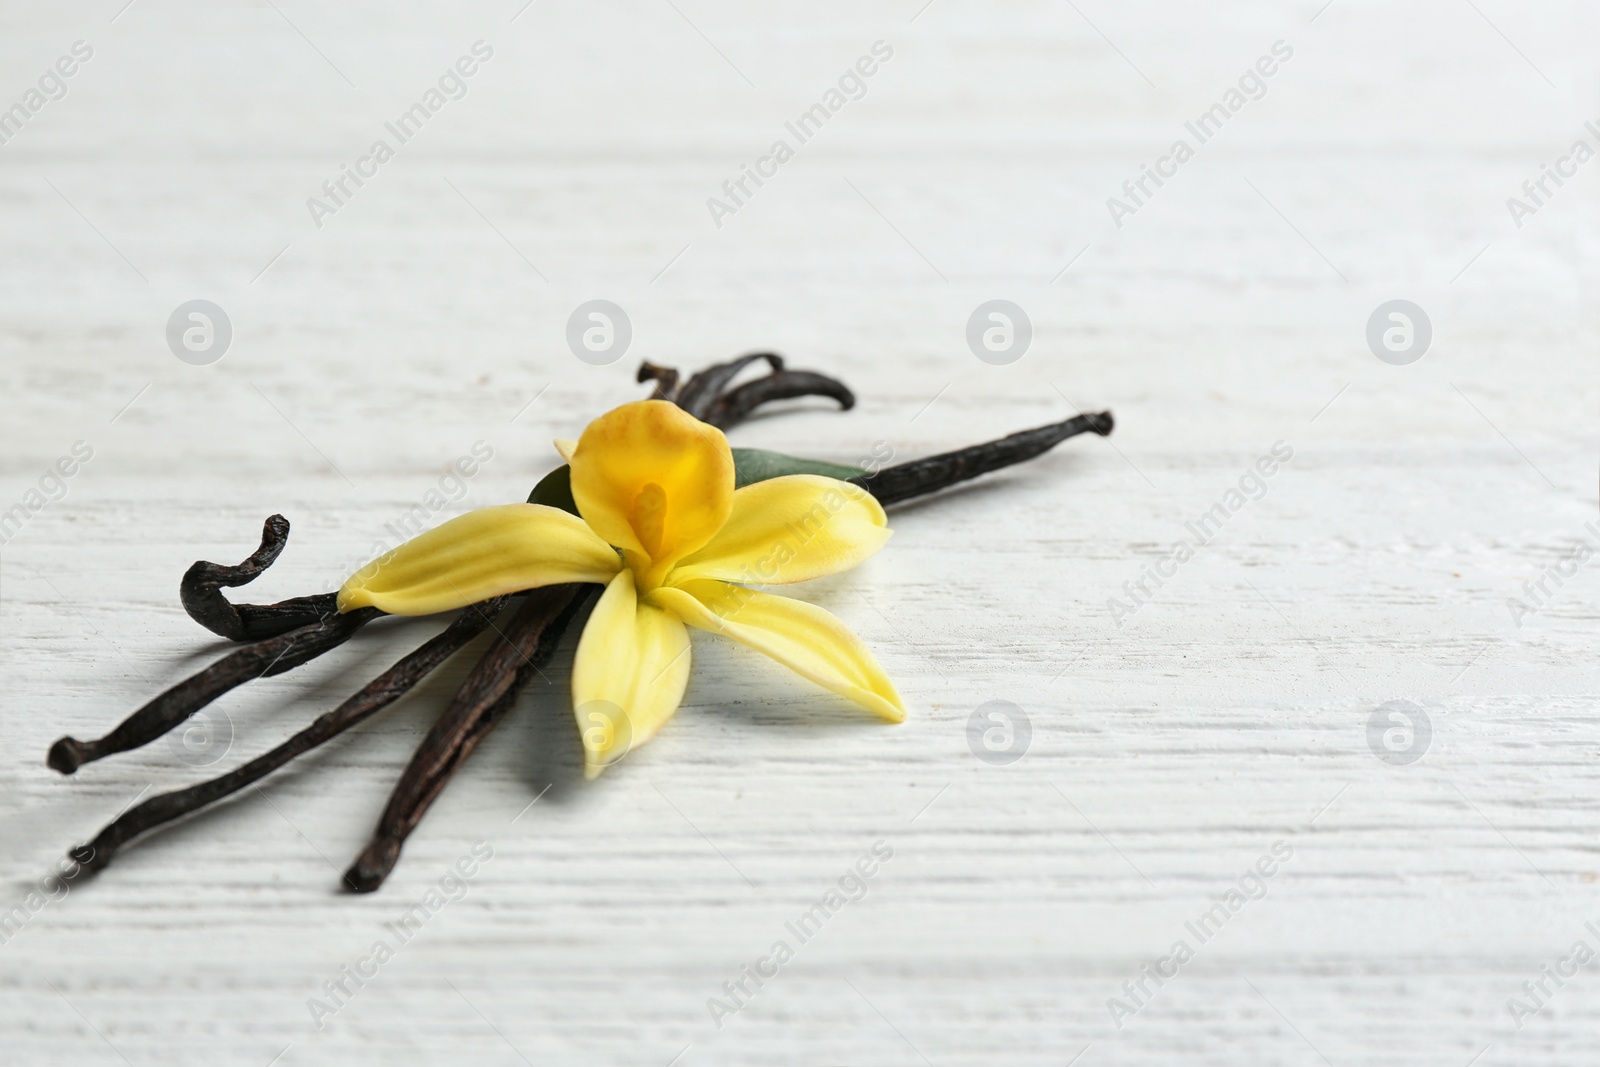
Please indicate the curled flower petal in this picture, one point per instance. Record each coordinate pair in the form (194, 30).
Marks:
(798, 635)
(654, 481)
(629, 674)
(790, 529)
(484, 553)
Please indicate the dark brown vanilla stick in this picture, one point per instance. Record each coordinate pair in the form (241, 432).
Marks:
(736, 404)
(201, 594)
(891, 485)
(260, 660)
(525, 645)
(707, 397)
(704, 387)
(378, 694)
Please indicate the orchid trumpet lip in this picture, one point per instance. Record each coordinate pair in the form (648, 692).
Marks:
(661, 525)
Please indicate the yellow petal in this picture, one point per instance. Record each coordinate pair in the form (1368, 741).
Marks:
(565, 446)
(629, 674)
(790, 529)
(798, 635)
(478, 555)
(653, 480)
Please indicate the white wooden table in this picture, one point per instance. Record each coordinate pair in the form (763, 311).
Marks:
(1168, 754)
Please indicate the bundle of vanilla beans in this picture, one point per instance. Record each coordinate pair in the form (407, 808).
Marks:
(279, 637)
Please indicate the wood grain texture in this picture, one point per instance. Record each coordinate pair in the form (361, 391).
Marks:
(1167, 753)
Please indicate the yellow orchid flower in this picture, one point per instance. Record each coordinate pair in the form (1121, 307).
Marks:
(661, 525)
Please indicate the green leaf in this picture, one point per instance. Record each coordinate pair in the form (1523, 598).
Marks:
(749, 465)
(555, 490)
(757, 465)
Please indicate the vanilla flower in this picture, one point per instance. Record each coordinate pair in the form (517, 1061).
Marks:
(661, 525)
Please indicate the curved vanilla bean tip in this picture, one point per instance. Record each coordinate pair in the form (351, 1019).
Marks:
(201, 594)
(67, 755)
(736, 404)
(262, 659)
(372, 867)
(378, 694)
(704, 389)
(524, 646)
(922, 476)
(666, 379)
